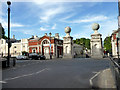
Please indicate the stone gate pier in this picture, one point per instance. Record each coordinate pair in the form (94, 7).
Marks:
(67, 44)
(96, 42)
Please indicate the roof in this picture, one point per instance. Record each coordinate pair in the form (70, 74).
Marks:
(38, 38)
(116, 31)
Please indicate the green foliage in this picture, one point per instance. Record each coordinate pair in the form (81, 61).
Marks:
(3, 34)
(107, 44)
(87, 43)
(83, 42)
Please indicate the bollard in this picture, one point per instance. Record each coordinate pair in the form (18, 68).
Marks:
(14, 62)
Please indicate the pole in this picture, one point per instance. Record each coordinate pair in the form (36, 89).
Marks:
(118, 13)
(118, 48)
(8, 59)
(8, 62)
(50, 46)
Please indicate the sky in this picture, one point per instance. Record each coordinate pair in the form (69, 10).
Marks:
(39, 17)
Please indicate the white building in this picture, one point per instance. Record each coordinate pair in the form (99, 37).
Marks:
(114, 43)
(17, 47)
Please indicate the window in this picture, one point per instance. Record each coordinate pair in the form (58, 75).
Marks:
(45, 42)
(15, 51)
(15, 47)
(23, 46)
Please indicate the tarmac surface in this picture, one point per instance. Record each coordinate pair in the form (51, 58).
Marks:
(56, 73)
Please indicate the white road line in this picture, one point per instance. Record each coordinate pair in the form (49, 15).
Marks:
(94, 72)
(26, 74)
(91, 83)
(3, 82)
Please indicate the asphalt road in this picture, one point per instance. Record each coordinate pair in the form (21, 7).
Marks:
(59, 73)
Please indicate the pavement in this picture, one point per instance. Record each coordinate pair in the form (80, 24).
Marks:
(56, 73)
(103, 79)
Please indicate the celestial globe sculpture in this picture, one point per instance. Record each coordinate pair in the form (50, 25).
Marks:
(95, 27)
(67, 31)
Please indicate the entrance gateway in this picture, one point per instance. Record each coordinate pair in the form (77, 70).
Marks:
(96, 42)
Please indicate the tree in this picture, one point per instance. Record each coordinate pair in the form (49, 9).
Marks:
(83, 42)
(87, 43)
(107, 44)
(3, 34)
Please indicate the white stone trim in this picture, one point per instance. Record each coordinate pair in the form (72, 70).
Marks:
(45, 39)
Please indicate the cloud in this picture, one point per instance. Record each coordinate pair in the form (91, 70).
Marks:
(50, 13)
(43, 29)
(54, 27)
(87, 19)
(25, 31)
(5, 23)
(44, 1)
(106, 28)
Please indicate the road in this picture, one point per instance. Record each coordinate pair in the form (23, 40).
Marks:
(57, 73)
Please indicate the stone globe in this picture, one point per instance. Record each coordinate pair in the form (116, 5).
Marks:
(95, 26)
(67, 29)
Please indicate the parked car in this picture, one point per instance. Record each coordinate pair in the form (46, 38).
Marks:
(21, 57)
(35, 56)
(42, 57)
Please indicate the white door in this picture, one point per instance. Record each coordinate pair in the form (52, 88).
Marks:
(46, 51)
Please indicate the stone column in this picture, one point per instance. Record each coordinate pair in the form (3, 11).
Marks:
(67, 44)
(96, 42)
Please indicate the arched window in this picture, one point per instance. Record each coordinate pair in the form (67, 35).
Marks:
(45, 42)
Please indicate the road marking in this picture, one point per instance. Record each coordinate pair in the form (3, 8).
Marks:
(26, 75)
(91, 83)
(3, 82)
(94, 72)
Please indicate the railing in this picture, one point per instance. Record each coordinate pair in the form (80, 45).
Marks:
(115, 68)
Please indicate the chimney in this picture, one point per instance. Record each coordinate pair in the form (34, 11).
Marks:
(32, 36)
(45, 34)
(57, 35)
(35, 36)
(13, 36)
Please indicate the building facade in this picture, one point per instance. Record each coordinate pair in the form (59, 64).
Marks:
(114, 43)
(17, 47)
(46, 45)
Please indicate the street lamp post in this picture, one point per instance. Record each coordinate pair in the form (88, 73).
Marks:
(8, 59)
(118, 38)
(117, 48)
(50, 45)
